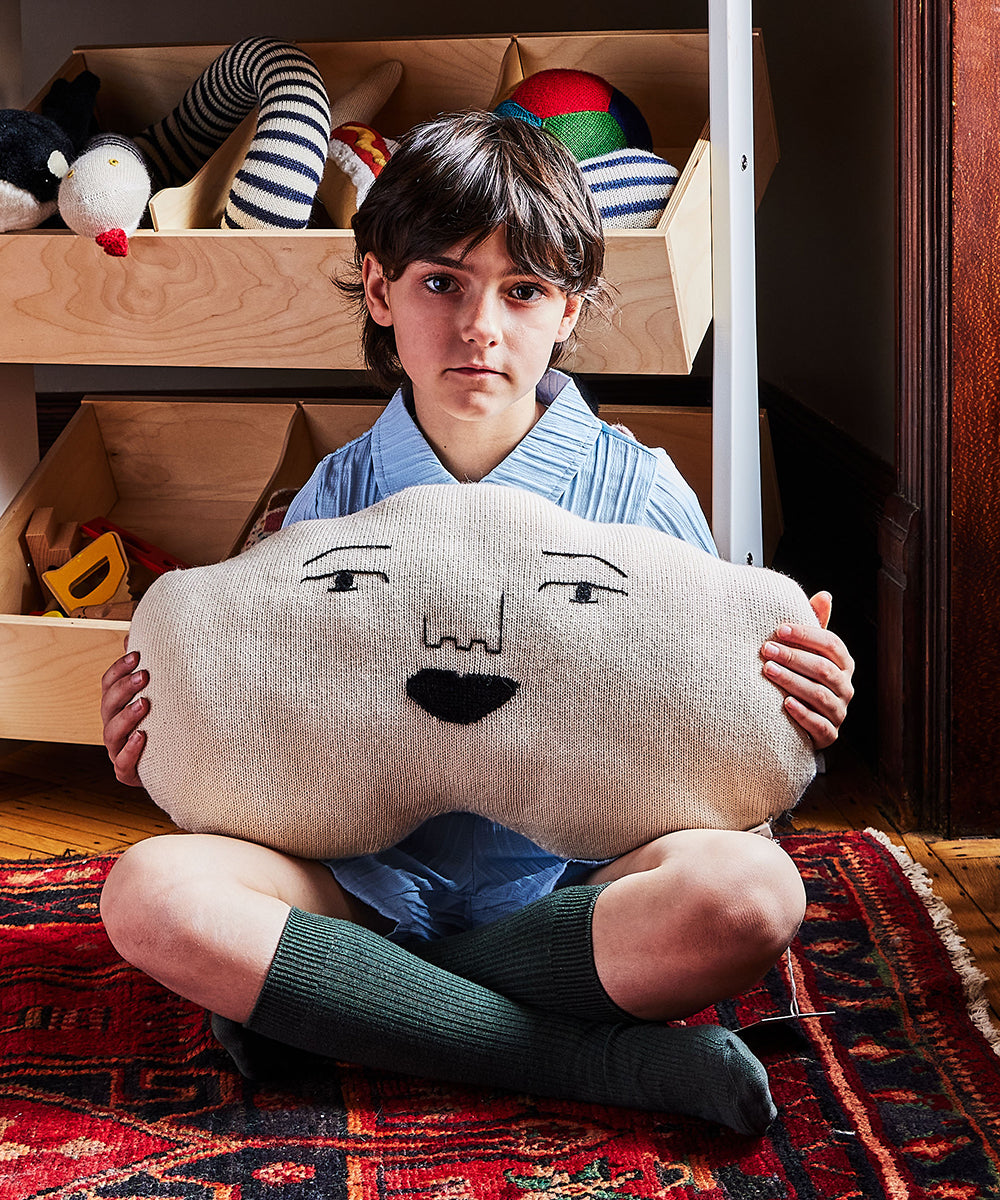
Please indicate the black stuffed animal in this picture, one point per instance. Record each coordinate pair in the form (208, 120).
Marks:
(35, 155)
(37, 150)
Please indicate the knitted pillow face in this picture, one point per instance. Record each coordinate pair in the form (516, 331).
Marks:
(467, 648)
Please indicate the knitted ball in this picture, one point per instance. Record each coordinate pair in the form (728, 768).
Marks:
(582, 110)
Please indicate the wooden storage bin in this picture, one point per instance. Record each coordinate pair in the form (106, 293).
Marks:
(185, 476)
(242, 299)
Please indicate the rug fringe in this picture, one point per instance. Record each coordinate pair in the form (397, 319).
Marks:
(974, 981)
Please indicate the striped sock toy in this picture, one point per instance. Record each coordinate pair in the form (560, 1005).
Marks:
(276, 185)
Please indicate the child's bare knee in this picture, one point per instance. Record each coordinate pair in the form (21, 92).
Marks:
(143, 896)
(744, 895)
(760, 900)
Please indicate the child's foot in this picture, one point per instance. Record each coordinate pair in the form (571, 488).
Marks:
(701, 1070)
(259, 1058)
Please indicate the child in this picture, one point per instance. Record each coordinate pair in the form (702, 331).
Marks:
(466, 953)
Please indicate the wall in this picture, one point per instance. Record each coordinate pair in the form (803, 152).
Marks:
(10, 58)
(825, 249)
(825, 229)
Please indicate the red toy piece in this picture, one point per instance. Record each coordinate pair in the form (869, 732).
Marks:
(136, 548)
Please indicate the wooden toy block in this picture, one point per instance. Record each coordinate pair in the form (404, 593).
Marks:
(120, 610)
(51, 543)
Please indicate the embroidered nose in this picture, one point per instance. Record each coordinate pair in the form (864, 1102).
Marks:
(475, 621)
(460, 699)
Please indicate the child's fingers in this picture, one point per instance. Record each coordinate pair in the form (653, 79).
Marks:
(817, 685)
(124, 742)
(822, 606)
(781, 659)
(126, 763)
(822, 731)
(121, 714)
(119, 687)
(119, 669)
(813, 667)
(816, 640)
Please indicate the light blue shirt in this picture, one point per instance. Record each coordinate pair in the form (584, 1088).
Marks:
(459, 870)
(569, 457)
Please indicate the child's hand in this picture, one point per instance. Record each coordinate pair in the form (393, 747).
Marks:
(813, 667)
(121, 713)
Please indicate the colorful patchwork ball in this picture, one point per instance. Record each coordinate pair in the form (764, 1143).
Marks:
(582, 110)
(630, 187)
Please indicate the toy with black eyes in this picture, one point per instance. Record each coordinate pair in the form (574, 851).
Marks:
(468, 648)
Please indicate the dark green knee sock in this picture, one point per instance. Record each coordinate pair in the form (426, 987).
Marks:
(339, 990)
(542, 955)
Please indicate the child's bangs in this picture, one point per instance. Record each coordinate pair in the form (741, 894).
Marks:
(493, 174)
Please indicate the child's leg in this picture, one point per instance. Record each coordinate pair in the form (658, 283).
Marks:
(202, 916)
(340, 990)
(690, 919)
(542, 955)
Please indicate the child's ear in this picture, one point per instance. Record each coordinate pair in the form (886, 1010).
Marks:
(376, 290)
(574, 306)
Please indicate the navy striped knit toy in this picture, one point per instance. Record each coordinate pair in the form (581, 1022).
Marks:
(277, 183)
(630, 187)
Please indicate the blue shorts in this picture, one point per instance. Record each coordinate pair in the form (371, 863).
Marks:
(453, 873)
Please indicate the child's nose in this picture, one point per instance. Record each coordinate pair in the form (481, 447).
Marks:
(482, 324)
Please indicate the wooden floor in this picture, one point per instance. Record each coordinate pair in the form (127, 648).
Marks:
(64, 800)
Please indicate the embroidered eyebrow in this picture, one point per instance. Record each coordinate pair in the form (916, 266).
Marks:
(595, 557)
(338, 549)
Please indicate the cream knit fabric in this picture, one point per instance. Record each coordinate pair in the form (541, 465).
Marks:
(474, 648)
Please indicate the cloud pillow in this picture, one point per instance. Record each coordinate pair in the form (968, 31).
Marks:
(467, 647)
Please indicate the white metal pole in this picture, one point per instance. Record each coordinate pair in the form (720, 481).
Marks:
(736, 506)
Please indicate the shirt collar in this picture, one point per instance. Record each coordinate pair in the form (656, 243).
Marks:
(550, 455)
(543, 462)
(401, 455)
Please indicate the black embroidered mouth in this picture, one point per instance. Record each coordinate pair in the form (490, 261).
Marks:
(459, 699)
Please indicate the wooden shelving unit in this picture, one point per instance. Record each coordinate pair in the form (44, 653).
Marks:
(221, 298)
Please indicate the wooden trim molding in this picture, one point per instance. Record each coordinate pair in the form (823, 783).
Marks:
(940, 579)
(974, 609)
(914, 584)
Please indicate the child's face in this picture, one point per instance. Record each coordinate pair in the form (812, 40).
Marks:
(474, 334)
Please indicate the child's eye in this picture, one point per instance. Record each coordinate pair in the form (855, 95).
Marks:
(439, 284)
(526, 291)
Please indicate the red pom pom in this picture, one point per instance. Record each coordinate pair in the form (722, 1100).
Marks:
(113, 242)
(561, 90)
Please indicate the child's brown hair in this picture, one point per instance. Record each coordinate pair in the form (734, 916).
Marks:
(455, 180)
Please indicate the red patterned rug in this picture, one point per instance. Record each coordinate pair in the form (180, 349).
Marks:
(112, 1088)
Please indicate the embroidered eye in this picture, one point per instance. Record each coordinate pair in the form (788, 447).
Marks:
(582, 591)
(346, 580)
